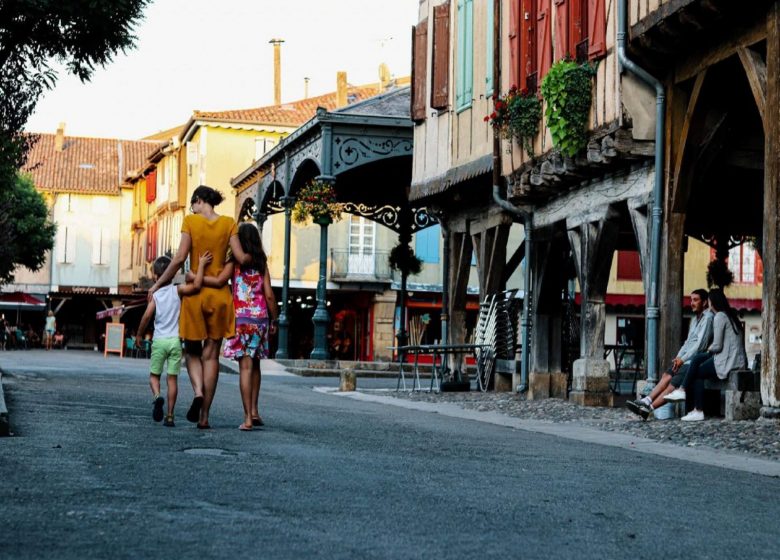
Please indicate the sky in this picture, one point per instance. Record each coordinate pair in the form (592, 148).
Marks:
(213, 55)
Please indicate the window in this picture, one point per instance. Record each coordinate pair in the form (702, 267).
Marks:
(426, 244)
(746, 265)
(262, 146)
(192, 157)
(489, 49)
(465, 59)
(628, 265)
(362, 233)
(100, 245)
(571, 29)
(522, 44)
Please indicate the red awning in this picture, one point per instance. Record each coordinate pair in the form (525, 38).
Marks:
(119, 310)
(20, 300)
(638, 300)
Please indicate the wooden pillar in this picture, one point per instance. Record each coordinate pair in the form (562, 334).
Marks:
(460, 267)
(593, 243)
(671, 284)
(770, 345)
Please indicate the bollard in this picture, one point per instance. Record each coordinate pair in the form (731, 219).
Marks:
(348, 380)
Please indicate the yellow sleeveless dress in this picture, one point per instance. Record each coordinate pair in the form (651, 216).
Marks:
(208, 314)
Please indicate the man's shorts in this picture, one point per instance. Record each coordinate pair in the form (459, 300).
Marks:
(679, 377)
(166, 349)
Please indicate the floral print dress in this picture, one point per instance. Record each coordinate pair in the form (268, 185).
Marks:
(251, 309)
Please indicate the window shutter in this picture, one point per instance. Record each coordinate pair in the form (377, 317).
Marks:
(97, 244)
(543, 38)
(459, 82)
(441, 56)
(62, 244)
(759, 264)
(464, 88)
(528, 45)
(426, 244)
(578, 28)
(629, 267)
(597, 29)
(561, 28)
(469, 59)
(514, 42)
(419, 69)
(151, 186)
(489, 49)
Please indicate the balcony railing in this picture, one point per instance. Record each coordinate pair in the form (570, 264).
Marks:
(355, 267)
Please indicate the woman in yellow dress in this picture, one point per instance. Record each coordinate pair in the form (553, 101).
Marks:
(207, 317)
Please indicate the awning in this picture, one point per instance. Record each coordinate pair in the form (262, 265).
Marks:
(119, 310)
(21, 302)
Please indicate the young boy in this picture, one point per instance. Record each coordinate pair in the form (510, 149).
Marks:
(165, 306)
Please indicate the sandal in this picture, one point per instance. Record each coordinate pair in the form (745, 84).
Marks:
(258, 421)
(193, 414)
(157, 409)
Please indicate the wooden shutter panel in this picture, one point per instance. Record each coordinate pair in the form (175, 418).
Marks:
(597, 29)
(489, 48)
(468, 66)
(151, 186)
(759, 271)
(528, 44)
(578, 27)
(515, 24)
(419, 69)
(441, 56)
(543, 38)
(561, 29)
(628, 266)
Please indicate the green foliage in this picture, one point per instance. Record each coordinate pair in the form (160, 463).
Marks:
(516, 115)
(316, 201)
(718, 274)
(27, 231)
(567, 89)
(403, 259)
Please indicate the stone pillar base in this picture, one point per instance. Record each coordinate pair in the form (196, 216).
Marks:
(559, 382)
(590, 383)
(742, 405)
(348, 380)
(770, 412)
(502, 383)
(539, 386)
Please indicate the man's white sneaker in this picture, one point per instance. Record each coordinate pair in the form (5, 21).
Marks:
(676, 395)
(693, 416)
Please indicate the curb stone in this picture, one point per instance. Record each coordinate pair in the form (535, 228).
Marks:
(4, 421)
(710, 457)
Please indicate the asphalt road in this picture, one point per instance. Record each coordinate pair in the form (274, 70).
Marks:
(88, 474)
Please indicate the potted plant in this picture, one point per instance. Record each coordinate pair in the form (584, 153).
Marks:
(317, 201)
(403, 259)
(517, 114)
(567, 91)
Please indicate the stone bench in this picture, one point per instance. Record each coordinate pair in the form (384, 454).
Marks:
(738, 397)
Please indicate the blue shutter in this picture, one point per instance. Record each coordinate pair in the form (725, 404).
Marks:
(426, 244)
(489, 50)
(464, 80)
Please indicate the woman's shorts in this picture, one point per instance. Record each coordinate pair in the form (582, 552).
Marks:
(166, 349)
(251, 340)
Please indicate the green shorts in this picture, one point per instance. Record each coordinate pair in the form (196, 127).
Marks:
(166, 349)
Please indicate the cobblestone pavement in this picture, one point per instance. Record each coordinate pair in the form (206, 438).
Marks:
(759, 438)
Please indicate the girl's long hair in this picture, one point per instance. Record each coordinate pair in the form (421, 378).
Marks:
(251, 243)
(720, 302)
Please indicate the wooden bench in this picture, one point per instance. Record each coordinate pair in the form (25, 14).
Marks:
(738, 397)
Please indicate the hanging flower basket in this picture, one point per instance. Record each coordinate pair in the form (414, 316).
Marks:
(517, 115)
(403, 259)
(317, 202)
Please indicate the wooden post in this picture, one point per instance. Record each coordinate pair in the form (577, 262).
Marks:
(593, 244)
(460, 267)
(770, 345)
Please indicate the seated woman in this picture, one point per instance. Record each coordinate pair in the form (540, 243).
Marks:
(726, 353)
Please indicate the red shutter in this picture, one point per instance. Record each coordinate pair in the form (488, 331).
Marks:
(597, 29)
(628, 266)
(151, 186)
(528, 45)
(149, 241)
(759, 269)
(440, 88)
(543, 38)
(578, 27)
(514, 42)
(562, 28)
(419, 69)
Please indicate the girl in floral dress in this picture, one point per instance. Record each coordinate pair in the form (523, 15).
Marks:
(256, 312)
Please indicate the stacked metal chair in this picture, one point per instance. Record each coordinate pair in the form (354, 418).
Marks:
(497, 328)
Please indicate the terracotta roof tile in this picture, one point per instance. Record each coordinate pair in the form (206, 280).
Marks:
(85, 165)
(294, 113)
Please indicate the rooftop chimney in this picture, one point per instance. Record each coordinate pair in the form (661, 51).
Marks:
(277, 43)
(59, 139)
(341, 89)
(384, 77)
(306, 88)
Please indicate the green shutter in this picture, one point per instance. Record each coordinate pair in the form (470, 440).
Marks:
(464, 84)
(489, 50)
(459, 78)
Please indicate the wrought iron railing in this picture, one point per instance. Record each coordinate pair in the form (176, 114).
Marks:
(371, 267)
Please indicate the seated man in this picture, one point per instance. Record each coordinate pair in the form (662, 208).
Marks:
(699, 338)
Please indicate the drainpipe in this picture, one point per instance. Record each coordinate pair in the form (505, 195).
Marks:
(523, 215)
(655, 241)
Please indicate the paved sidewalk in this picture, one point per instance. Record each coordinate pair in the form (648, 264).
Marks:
(746, 446)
